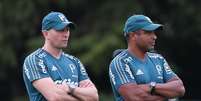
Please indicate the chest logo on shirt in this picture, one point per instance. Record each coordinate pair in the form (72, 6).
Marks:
(139, 72)
(54, 68)
(159, 69)
(127, 60)
(72, 67)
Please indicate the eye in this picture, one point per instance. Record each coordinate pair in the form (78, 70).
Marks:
(149, 32)
(63, 30)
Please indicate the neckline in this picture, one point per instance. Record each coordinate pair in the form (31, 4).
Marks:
(136, 58)
(52, 55)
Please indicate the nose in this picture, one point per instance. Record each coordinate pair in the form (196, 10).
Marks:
(66, 33)
(154, 35)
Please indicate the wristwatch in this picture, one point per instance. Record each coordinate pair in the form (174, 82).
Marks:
(152, 87)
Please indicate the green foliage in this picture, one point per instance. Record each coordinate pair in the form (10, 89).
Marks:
(34, 43)
(99, 30)
(16, 22)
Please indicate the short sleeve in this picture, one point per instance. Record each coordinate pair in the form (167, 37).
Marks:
(82, 73)
(167, 71)
(34, 68)
(120, 73)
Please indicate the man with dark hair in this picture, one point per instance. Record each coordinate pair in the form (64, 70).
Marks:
(138, 75)
(49, 73)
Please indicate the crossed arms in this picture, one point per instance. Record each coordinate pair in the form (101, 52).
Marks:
(133, 92)
(62, 92)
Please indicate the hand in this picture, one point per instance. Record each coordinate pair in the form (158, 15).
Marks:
(145, 87)
(86, 84)
(160, 98)
(64, 87)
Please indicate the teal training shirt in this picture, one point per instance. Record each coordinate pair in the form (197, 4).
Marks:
(126, 68)
(40, 64)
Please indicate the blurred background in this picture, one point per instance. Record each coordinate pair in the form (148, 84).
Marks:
(99, 27)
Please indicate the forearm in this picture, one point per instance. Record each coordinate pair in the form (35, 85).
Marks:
(61, 95)
(144, 96)
(51, 91)
(133, 92)
(86, 94)
(170, 89)
(70, 98)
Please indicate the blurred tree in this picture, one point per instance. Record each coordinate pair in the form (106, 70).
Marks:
(98, 33)
(16, 18)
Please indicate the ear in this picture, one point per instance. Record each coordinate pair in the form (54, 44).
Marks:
(133, 35)
(45, 34)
